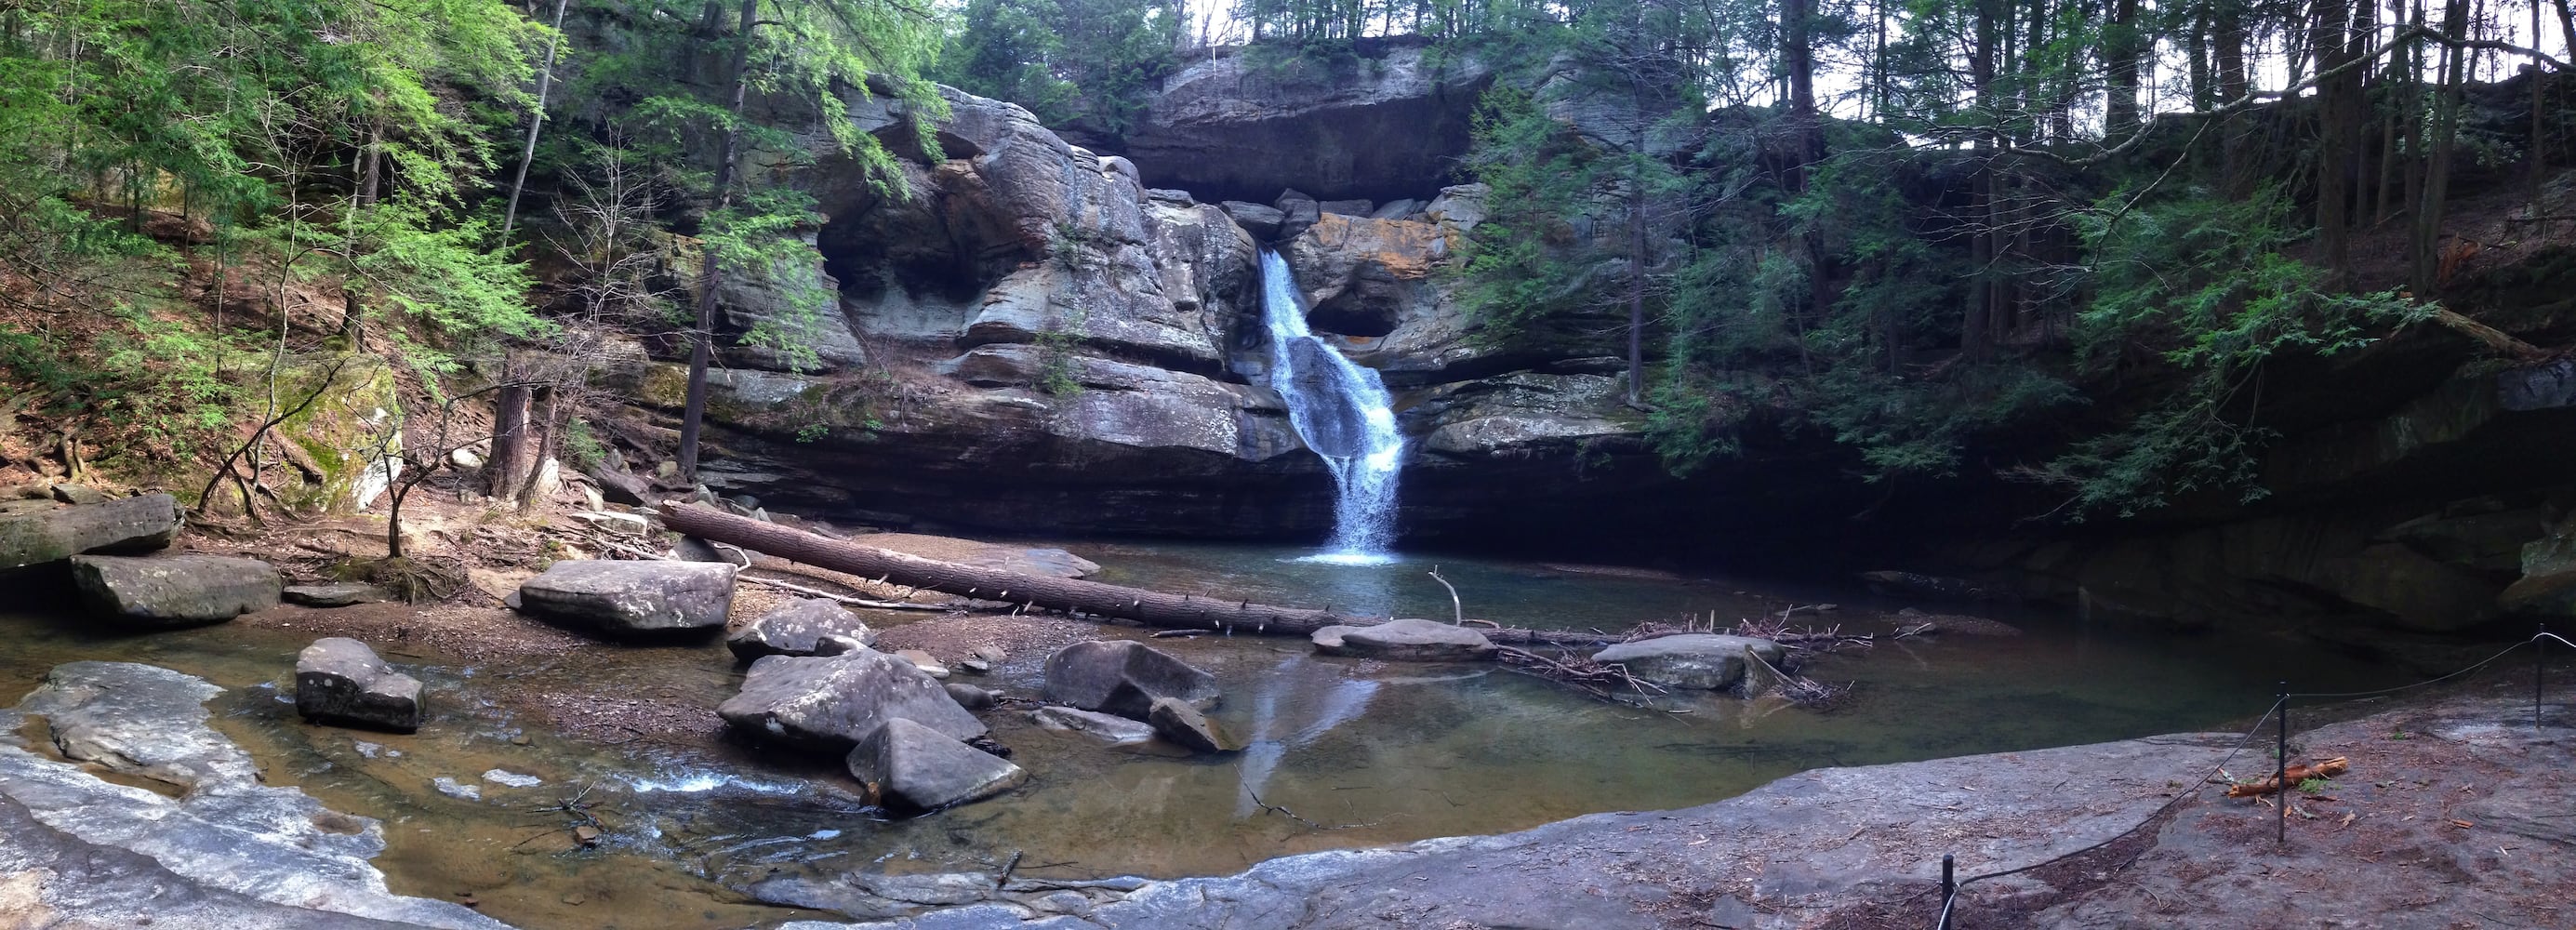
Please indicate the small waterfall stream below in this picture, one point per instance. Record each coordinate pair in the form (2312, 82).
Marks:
(1343, 412)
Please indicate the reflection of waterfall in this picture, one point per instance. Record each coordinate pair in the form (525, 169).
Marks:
(1296, 704)
(1343, 413)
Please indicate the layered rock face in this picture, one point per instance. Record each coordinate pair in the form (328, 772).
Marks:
(1033, 339)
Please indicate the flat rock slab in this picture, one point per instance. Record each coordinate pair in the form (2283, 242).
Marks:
(1795, 850)
(631, 597)
(336, 594)
(918, 768)
(228, 852)
(174, 590)
(1124, 677)
(340, 681)
(1411, 639)
(1690, 660)
(809, 627)
(1111, 727)
(830, 703)
(52, 534)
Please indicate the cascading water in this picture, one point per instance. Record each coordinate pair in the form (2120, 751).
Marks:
(1343, 413)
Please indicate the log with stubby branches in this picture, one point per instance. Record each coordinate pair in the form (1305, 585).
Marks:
(1036, 592)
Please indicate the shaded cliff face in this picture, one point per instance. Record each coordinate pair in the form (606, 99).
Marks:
(1389, 123)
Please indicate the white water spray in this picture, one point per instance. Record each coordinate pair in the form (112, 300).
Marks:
(1343, 413)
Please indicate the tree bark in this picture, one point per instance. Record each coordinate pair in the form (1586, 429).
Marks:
(509, 441)
(1152, 608)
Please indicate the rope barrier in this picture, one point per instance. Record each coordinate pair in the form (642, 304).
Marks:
(2279, 705)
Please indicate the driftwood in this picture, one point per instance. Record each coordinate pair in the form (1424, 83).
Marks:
(2297, 773)
(1035, 592)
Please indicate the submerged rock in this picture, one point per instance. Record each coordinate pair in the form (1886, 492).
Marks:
(1691, 660)
(1111, 727)
(1411, 639)
(914, 766)
(832, 702)
(219, 849)
(1124, 677)
(1176, 720)
(631, 597)
(810, 627)
(52, 534)
(339, 680)
(173, 590)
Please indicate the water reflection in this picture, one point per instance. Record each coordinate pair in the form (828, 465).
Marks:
(1292, 705)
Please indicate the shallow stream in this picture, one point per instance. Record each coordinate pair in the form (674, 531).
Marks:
(1361, 752)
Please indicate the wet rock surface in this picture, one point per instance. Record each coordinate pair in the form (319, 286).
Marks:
(1690, 660)
(1111, 727)
(809, 627)
(1409, 639)
(1124, 677)
(831, 703)
(919, 768)
(225, 852)
(631, 597)
(1174, 719)
(41, 533)
(339, 680)
(174, 590)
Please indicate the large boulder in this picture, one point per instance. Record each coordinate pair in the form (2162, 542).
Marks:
(832, 702)
(174, 590)
(810, 627)
(1411, 639)
(51, 534)
(1124, 677)
(916, 767)
(631, 597)
(340, 681)
(1690, 660)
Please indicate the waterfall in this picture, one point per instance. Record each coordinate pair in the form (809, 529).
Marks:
(1343, 413)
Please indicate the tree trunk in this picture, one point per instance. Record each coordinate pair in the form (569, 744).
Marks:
(2337, 113)
(693, 412)
(1636, 285)
(509, 441)
(545, 426)
(2120, 63)
(536, 121)
(2437, 171)
(1037, 592)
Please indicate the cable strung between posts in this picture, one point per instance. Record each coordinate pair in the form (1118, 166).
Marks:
(1948, 903)
(2178, 798)
(2508, 650)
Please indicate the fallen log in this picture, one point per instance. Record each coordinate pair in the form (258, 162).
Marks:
(2297, 773)
(1033, 592)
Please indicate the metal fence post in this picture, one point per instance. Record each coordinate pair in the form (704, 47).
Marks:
(2539, 671)
(1949, 889)
(2281, 769)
